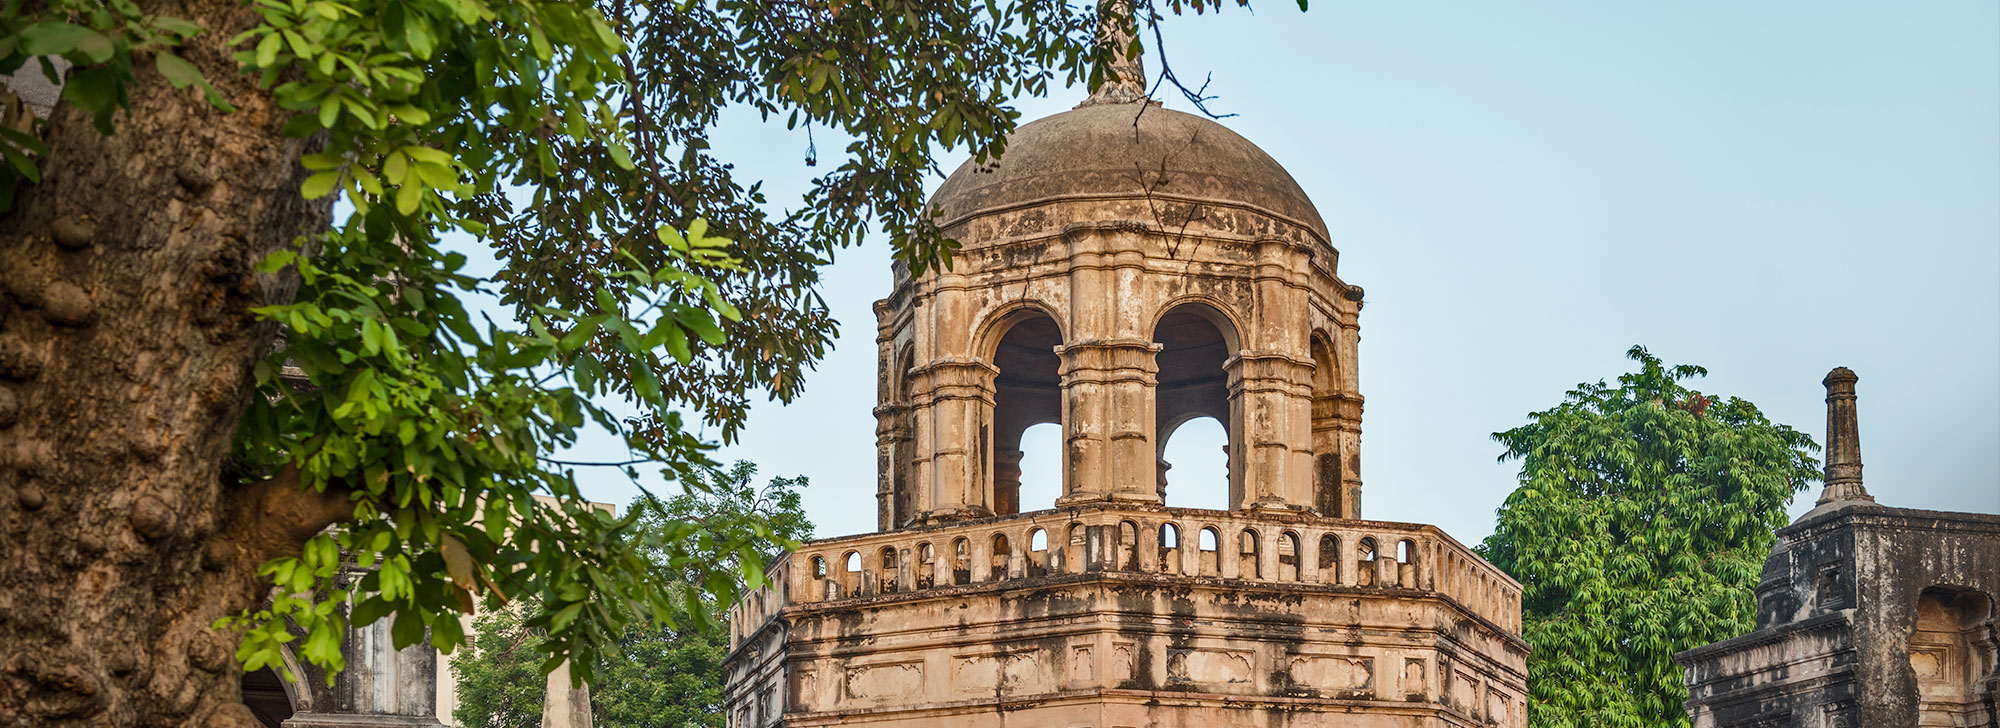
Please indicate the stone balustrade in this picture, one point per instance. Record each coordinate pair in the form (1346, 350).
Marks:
(1181, 542)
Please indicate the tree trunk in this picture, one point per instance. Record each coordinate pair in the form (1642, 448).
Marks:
(126, 341)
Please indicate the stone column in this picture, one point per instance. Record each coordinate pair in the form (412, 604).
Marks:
(1270, 402)
(1007, 481)
(1108, 415)
(1843, 440)
(954, 416)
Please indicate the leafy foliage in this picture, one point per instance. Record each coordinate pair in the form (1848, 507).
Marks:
(1639, 528)
(662, 675)
(498, 681)
(571, 138)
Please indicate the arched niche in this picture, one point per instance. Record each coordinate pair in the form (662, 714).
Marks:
(1196, 343)
(1329, 493)
(1952, 654)
(902, 465)
(1027, 391)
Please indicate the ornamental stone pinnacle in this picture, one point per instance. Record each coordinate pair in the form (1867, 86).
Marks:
(1843, 441)
(1125, 77)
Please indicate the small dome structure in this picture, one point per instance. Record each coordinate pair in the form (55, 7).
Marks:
(1125, 150)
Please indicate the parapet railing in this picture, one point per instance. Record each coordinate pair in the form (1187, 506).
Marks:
(1250, 546)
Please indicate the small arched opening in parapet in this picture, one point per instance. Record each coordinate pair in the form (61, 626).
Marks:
(961, 561)
(1406, 551)
(1210, 543)
(1128, 546)
(926, 576)
(1288, 556)
(819, 567)
(1952, 656)
(1021, 343)
(1247, 565)
(1170, 548)
(1329, 559)
(903, 454)
(996, 563)
(889, 571)
(850, 580)
(1192, 401)
(1329, 493)
(1038, 552)
(1364, 562)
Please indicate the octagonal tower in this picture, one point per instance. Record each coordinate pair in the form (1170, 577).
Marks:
(1125, 269)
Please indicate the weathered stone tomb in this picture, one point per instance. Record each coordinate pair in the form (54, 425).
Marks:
(1126, 269)
(1867, 615)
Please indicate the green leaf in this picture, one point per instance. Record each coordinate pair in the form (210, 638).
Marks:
(53, 38)
(268, 48)
(320, 184)
(620, 156)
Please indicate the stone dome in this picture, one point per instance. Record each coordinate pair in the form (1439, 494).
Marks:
(1095, 151)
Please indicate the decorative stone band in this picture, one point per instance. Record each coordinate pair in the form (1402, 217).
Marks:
(1180, 543)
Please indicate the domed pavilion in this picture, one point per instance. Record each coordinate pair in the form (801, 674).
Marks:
(1126, 269)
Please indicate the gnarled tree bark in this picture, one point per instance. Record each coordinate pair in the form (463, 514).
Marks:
(126, 343)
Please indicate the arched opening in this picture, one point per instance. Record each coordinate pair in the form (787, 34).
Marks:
(1364, 562)
(1288, 556)
(1329, 495)
(888, 572)
(1040, 466)
(1952, 654)
(268, 696)
(961, 561)
(1128, 546)
(1329, 559)
(1210, 544)
(1194, 464)
(1195, 343)
(1170, 548)
(1002, 554)
(1026, 392)
(1246, 561)
(902, 455)
(850, 581)
(926, 566)
(819, 567)
(1038, 552)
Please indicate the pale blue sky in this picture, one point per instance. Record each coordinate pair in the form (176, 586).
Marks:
(1527, 189)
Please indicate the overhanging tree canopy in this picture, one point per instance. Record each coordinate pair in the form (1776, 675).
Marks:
(174, 219)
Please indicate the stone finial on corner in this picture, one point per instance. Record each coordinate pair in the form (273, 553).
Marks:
(1843, 441)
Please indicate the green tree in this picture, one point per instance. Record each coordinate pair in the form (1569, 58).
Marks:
(169, 252)
(499, 677)
(1639, 529)
(663, 676)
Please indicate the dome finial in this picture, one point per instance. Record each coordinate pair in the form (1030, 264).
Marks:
(1125, 75)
